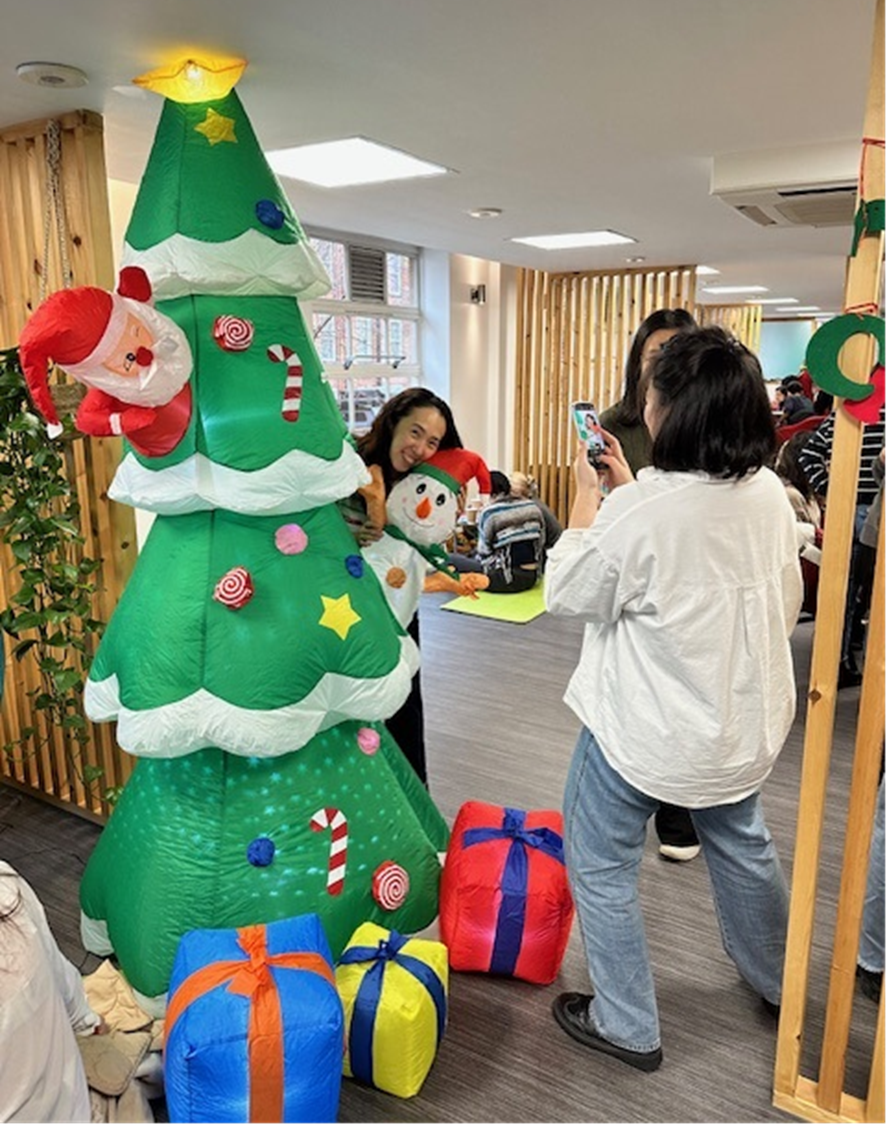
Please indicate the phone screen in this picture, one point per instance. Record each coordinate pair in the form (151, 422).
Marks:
(588, 427)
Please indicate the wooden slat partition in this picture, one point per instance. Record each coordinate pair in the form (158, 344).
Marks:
(109, 529)
(574, 331)
(824, 1098)
(743, 321)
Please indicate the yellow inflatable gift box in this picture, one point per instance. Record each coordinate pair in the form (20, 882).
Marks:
(394, 992)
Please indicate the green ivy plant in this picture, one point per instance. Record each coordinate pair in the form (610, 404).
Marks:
(50, 615)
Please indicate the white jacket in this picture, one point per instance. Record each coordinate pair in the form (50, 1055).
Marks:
(691, 586)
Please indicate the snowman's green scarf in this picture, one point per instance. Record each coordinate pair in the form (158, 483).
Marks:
(433, 553)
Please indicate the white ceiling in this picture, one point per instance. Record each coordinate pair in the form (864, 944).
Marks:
(569, 115)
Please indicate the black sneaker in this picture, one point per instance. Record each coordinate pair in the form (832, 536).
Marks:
(869, 983)
(570, 1009)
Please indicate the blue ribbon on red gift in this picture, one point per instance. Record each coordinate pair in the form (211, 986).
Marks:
(366, 1002)
(512, 908)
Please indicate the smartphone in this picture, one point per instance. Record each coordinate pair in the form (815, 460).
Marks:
(588, 427)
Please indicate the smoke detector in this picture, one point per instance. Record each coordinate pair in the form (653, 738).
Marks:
(52, 76)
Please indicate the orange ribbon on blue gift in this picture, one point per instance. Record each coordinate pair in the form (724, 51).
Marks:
(253, 978)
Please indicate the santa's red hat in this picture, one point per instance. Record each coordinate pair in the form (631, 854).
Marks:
(456, 467)
(77, 329)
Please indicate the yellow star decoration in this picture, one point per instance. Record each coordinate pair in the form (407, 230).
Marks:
(338, 615)
(215, 127)
(201, 78)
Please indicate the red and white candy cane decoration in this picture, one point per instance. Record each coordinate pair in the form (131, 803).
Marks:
(292, 391)
(337, 822)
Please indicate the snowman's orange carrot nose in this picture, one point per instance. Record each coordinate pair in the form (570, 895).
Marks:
(423, 508)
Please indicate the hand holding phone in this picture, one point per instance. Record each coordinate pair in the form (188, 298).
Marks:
(588, 427)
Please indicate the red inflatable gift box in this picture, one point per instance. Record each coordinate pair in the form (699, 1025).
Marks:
(505, 903)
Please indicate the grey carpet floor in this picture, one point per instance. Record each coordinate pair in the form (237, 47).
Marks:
(498, 731)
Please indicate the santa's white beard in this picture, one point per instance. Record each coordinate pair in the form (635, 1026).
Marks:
(167, 373)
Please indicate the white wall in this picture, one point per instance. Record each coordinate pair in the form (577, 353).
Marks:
(482, 358)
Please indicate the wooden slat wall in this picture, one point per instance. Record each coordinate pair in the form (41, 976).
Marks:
(109, 528)
(574, 331)
(743, 321)
(824, 1098)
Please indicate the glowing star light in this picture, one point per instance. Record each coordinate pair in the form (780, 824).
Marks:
(200, 78)
(338, 615)
(216, 128)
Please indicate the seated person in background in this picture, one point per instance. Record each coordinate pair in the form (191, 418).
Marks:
(798, 489)
(510, 541)
(815, 459)
(808, 513)
(42, 1008)
(526, 487)
(796, 405)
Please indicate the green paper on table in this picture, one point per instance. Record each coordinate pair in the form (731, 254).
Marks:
(516, 608)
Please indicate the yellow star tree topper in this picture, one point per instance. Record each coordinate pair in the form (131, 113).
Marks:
(196, 78)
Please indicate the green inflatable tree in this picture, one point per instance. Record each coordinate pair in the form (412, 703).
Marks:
(253, 657)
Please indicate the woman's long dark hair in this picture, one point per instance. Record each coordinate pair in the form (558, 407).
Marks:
(630, 408)
(716, 415)
(375, 446)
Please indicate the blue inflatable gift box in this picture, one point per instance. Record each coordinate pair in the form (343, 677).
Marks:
(394, 990)
(254, 1025)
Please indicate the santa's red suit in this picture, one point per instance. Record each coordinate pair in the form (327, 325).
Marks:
(135, 361)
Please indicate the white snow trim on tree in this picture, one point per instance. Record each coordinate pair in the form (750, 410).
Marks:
(293, 483)
(251, 265)
(202, 719)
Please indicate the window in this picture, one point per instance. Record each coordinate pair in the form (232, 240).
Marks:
(366, 330)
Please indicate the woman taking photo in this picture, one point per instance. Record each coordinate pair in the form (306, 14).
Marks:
(689, 580)
(410, 428)
(625, 420)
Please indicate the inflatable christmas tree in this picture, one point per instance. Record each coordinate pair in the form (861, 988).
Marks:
(253, 657)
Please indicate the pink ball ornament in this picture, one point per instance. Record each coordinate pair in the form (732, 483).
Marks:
(368, 740)
(290, 539)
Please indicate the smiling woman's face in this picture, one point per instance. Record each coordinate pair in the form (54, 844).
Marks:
(417, 436)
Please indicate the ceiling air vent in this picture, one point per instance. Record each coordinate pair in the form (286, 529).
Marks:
(811, 207)
(829, 207)
(366, 274)
(805, 186)
(757, 216)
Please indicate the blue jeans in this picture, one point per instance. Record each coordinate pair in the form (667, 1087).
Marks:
(605, 821)
(871, 942)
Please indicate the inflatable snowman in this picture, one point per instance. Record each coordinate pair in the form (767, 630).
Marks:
(420, 515)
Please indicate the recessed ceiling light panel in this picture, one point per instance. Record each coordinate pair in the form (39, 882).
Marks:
(575, 241)
(735, 289)
(706, 271)
(349, 162)
(52, 76)
(486, 213)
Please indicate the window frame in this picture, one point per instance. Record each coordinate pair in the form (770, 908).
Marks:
(342, 378)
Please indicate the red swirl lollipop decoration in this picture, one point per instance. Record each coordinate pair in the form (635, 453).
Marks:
(235, 588)
(391, 885)
(233, 333)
